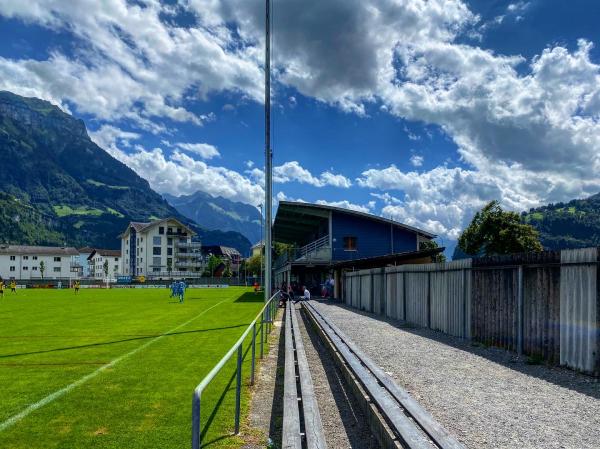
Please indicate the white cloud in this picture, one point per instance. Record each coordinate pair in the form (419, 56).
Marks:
(345, 204)
(178, 174)
(125, 61)
(292, 171)
(416, 160)
(204, 150)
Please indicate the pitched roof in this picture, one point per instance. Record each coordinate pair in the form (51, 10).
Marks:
(38, 250)
(303, 216)
(144, 226)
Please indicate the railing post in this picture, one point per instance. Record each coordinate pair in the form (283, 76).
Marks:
(262, 340)
(238, 390)
(196, 437)
(253, 354)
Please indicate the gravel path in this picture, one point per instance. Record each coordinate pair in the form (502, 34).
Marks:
(485, 397)
(343, 422)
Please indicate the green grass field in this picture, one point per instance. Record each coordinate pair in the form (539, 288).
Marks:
(117, 368)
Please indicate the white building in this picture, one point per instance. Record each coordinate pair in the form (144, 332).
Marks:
(97, 259)
(82, 260)
(160, 248)
(37, 262)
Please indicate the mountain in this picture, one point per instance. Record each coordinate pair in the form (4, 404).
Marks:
(219, 213)
(575, 224)
(59, 187)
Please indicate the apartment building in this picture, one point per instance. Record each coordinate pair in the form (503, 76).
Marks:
(160, 248)
(99, 257)
(23, 262)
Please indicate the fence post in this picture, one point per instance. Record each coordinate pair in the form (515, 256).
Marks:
(238, 389)
(253, 354)
(196, 437)
(404, 296)
(429, 300)
(262, 326)
(520, 311)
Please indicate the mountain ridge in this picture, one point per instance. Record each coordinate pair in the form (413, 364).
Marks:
(69, 187)
(217, 212)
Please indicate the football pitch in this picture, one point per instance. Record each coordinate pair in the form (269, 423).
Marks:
(117, 368)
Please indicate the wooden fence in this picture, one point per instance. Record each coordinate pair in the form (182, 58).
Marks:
(543, 305)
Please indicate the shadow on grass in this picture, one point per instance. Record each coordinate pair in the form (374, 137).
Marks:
(251, 297)
(144, 337)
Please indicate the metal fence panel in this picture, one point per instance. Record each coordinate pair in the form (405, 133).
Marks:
(366, 297)
(578, 310)
(379, 298)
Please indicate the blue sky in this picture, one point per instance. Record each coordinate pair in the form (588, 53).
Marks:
(417, 110)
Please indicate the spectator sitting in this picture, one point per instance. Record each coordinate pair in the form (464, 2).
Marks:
(306, 296)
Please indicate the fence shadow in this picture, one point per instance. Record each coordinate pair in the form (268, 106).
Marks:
(560, 376)
(251, 297)
(124, 340)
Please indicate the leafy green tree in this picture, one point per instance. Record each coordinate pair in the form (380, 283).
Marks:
(432, 244)
(227, 273)
(253, 265)
(42, 268)
(495, 231)
(213, 264)
(105, 268)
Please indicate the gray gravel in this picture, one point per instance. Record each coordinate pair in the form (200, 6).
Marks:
(486, 397)
(344, 424)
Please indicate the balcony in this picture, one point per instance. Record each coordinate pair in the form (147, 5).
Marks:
(316, 251)
(189, 264)
(194, 255)
(189, 245)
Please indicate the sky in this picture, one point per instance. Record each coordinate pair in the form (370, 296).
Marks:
(418, 110)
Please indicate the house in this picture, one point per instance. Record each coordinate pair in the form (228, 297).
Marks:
(257, 248)
(97, 259)
(321, 238)
(227, 255)
(160, 248)
(36, 262)
(82, 260)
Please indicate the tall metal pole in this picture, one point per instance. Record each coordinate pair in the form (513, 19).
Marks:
(268, 154)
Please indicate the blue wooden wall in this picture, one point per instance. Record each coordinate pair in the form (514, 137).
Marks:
(374, 238)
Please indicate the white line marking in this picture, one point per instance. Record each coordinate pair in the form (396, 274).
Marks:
(57, 394)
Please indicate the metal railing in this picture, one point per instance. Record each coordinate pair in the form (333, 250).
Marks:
(266, 315)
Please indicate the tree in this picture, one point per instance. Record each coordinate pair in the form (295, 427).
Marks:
(432, 244)
(253, 265)
(169, 266)
(214, 262)
(42, 268)
(494, 231)
(105, 267)
(227, 272)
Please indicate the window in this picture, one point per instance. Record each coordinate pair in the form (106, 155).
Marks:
(12, 268)
(25, 257)
(25, 268)
(34, 257)
(57, 259)
(156, 240)
(116, 268)
(156, 270)
(170, 241)
(170, 231)
(156, 250)
(34, 268)
(138, 241)
(169, 251)
(142, 239)
(12, 257)
(350, 243)
(156, 261)
(161, 230)
(142, 249)
(57, 269)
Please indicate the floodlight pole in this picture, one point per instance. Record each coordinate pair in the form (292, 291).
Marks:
(268, 154)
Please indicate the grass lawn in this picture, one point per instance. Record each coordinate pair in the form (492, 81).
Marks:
(117, 368)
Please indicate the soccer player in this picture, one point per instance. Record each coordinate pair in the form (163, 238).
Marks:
(13, 287)
(173, 289)
(181, 291)
(76, 286)
(1, 288)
